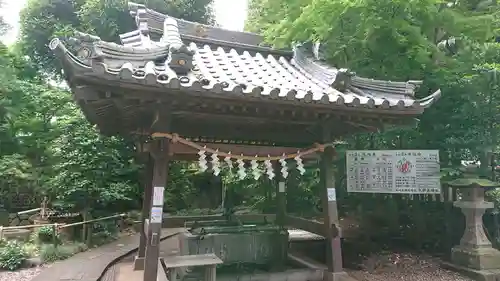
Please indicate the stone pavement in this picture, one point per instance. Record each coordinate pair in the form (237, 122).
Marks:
(92, 264)
(124, 270)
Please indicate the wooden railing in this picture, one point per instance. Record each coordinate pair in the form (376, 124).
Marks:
(93, 220)
(29, 211)
(56, 227)
(306, 224)
(52, 225)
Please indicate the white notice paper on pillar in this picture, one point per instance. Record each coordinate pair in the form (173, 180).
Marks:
(332, 196)
(156, 214)
(281, 186)
(158, 195)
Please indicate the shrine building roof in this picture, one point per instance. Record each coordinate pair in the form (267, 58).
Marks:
(166, 54)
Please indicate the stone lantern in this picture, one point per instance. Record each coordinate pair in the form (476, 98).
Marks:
(475, 251)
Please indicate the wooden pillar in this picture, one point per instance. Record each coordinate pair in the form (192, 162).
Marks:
(330, 212)
(160, 153)
(280, 196)
(282, 239)
(210, 273)
(146, 206)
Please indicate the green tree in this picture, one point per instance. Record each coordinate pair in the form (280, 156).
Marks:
(433, 40)
(3, 24)
(82, 167)
(447, 44)
(92, 171)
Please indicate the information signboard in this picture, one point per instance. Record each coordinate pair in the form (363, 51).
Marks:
(393, 171)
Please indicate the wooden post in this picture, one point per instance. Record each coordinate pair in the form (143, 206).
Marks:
(146, 206)
(280, 199)
(54, 235)
(210, 272)
(282, 237)
(90, 230)
(86, 227)
(448, 218)
(159, 151)
(330, 212)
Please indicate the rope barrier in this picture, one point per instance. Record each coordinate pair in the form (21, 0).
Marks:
(176, 138)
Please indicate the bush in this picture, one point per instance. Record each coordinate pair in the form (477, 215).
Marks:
(50, 253)
(45, 234)
(31, 249)
(80, 247)
(103, 237)
(12, 255)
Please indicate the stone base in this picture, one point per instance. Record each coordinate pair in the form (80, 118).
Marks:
(289, 275)
(478, 275)
(138, 263)
(339, 276)
(478, 259)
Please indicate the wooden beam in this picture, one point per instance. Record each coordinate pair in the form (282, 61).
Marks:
(85, 93)
(305, 224)
(290, 125)
(230, 118)
(285, 135)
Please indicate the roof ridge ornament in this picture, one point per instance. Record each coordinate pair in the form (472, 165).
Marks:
(84, 46)
(171, 34)
(139, 37)
(134, 7)
(310, 56)
(343, 80)
(180, 57)
(194, 30)
(318, 51)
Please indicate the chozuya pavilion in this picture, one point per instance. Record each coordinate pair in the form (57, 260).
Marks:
(187, 89)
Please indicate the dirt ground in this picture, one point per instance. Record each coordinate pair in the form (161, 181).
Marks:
(407, 267)
(395, 267)
(20, 275)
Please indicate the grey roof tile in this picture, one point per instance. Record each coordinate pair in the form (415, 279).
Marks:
(170, 63)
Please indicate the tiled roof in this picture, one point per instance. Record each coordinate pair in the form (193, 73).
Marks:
(152, 22)
(174, 62)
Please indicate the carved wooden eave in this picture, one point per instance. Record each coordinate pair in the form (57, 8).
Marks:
(220, 90)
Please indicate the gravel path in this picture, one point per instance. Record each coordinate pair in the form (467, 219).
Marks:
(428, 275)
(407, 267)
(20, 275)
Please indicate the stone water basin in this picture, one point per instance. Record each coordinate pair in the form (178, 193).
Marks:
(253, 244)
